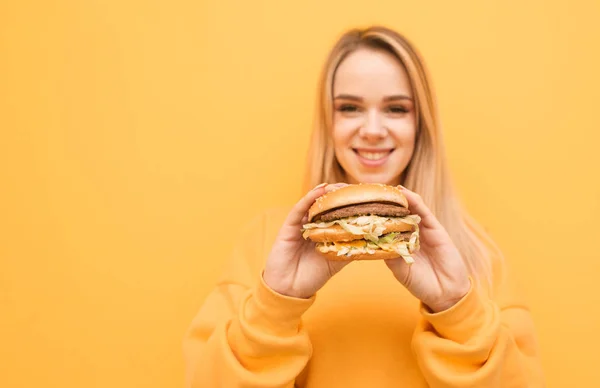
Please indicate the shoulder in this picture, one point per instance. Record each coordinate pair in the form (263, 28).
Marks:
(251, 243)
(507, 286)
(265, 224)
(258, 233)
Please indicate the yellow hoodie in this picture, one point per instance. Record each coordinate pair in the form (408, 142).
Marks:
(362, 329)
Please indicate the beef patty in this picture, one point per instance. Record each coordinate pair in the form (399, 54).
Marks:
(364, 209)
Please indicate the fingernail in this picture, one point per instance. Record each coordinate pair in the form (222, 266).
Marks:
(319, 186)
(402, 187)
(334, 187)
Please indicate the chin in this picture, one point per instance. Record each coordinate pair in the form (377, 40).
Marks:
(388, 174)
(384, 178)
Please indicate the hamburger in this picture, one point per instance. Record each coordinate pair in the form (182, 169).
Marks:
(363, 222)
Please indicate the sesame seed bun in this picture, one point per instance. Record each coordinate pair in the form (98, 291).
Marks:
(357, 194)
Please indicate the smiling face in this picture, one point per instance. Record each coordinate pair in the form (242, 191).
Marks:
(374, 126)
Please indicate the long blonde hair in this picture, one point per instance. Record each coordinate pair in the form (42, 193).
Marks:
(427, 173)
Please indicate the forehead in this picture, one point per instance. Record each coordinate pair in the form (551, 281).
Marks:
(368, 71)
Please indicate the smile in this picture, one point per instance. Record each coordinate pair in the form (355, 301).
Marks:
(372, 158)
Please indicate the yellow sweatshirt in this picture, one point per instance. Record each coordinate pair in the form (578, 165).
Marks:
(362, 329)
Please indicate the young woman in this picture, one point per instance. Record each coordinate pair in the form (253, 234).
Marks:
(284, 316)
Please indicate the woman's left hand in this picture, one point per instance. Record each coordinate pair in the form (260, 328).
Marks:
(438, 277)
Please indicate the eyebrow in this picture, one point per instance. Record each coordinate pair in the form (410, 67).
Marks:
(386, 99)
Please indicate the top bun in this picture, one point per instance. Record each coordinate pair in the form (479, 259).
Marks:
(357, 194)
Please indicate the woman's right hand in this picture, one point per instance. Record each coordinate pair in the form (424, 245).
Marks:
(294, 268)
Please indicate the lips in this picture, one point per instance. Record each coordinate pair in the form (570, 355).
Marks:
(372, 157)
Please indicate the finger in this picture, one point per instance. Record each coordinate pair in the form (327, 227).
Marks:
(400, 269)
(304, 219)
(336, 266)
(418, 206)
(301, 208)
(334, 186)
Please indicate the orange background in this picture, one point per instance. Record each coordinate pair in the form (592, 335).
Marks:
(135, 135)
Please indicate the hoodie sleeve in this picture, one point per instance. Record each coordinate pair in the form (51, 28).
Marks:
(480, 341)
(245, 334)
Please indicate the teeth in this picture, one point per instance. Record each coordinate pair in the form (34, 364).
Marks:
(373, 155)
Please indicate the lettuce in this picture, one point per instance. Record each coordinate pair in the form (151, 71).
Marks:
(369, 227)
(351, 228)
(388, 238)
(387, 243)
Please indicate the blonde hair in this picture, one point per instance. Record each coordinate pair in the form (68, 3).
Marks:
(427, 173)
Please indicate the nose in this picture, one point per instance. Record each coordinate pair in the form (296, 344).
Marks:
(373, 127)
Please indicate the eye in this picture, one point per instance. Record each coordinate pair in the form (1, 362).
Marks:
(348, 108)
(397, 109)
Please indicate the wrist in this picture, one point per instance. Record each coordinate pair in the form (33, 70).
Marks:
(282, 288)
(450, 298)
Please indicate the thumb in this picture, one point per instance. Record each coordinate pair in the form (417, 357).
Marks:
(400, 268)
(336, 266)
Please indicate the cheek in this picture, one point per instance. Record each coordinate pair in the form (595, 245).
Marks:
(343, 130)
(404, 132)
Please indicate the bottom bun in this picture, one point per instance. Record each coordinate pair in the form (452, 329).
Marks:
(377, 255)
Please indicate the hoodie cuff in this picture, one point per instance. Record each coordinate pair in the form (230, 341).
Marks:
(466, 319)
(275, 313)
